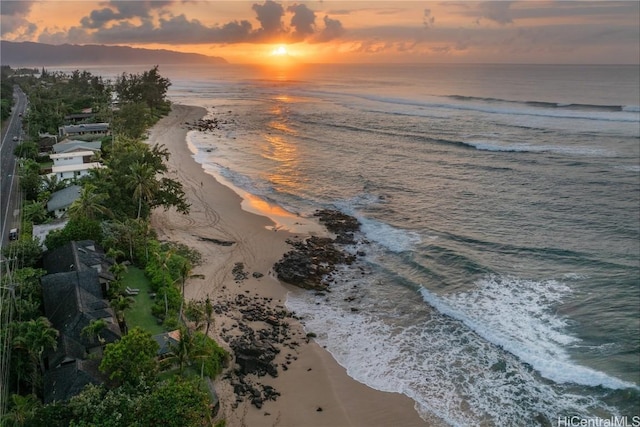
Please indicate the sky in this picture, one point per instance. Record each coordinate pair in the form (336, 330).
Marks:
(321, 31)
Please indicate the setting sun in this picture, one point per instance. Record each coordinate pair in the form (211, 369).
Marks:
(279, 51)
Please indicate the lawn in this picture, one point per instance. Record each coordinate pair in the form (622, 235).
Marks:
(140, 313)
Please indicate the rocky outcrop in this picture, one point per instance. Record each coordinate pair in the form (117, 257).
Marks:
(257, 337)
(311, 261)
(342, 225)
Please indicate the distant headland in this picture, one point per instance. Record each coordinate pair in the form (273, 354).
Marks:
(31, 54)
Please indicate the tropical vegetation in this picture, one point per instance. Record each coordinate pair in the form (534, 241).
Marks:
(113, 209)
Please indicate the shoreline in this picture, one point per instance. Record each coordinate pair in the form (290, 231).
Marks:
(314, 389)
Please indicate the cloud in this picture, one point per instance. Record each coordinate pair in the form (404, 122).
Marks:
(332, 30)
(270, 16)
(16, 8)
(303, 20)
(497, 11)
(119, 10)
(175, 30)
(18, 27)
(138, 23)
(13, 21)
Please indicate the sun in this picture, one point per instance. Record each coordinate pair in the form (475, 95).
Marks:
(280, 51)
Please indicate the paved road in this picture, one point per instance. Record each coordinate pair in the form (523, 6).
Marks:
(8, 167)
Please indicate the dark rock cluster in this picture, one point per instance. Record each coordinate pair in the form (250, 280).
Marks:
(342, 225)
(258, 335)
(238, 272)
(310, 263)
(204, 125)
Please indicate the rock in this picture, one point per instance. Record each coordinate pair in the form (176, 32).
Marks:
(255, 357)
(310, 262)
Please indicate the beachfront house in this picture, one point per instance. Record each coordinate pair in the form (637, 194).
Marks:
(73, 296)
(60, 201)
(74, 163)
(68, 145)
(86, 129)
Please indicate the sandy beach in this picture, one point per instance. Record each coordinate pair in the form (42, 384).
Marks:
(314, 389)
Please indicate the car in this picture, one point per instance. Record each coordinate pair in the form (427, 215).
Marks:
(19, 114)
(13, 234)
(15, 138)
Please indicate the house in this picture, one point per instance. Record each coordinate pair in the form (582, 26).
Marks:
(74, 163)
(46, 141)
(166, 341)
(63, 147)
(80, 255)
(69, 379)
(84, 129)
(60, 201)
(79, 117)
(73, 297)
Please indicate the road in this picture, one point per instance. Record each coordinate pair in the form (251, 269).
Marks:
(9, 218)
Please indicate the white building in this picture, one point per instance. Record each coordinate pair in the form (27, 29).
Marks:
(74, 163)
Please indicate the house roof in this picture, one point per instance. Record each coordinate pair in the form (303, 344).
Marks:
(72, 300)
(75, 152)
(63, 198)
(82, 255)
(166, 340)
(62, 147)
(85, 127)
(68, 380)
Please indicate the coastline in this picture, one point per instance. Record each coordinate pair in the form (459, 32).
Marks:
(315, 390)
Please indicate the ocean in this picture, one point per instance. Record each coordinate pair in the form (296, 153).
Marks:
(500, 212)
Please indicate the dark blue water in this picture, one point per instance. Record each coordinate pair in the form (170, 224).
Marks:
(500, 212)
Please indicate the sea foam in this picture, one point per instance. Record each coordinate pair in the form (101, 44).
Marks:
(517, 315)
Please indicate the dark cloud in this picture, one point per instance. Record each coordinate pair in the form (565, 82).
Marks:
(497, 11)
(332, 30)
(15, 8)
(270, 16)
(115, 24)
(98, 18)
(119, 10)
(176, 30)
(303, 20)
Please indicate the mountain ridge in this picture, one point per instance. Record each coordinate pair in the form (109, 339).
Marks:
(20, 54)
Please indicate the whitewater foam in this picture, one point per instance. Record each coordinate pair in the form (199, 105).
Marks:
(450, 371)
(518, 316)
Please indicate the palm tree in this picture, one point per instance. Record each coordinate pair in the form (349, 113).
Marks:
(22, 408)
(120, 304)
(208, 311)
(90, 204)
(93, 329)
(181, 351)
(35, 337)
(35, 212)
(52, 184)
(185, 270)
(143, 182)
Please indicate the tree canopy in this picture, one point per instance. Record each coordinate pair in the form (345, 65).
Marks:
(131, 359)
